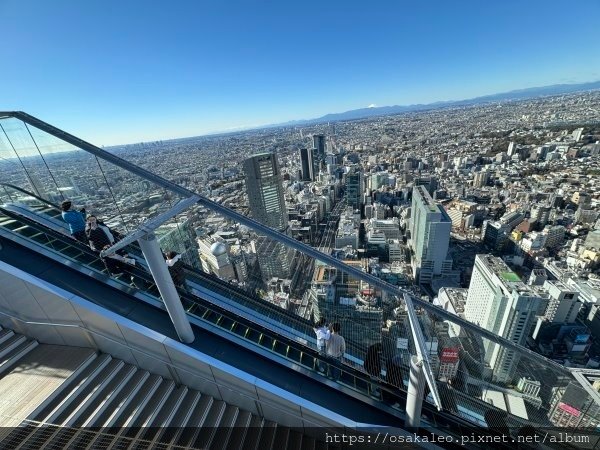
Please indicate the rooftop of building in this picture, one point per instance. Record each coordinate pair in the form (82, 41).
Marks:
(509, 279)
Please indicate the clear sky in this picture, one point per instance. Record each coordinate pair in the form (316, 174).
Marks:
(123, 71)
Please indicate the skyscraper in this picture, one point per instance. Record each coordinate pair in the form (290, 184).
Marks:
(429, 236)
(267, 205)
(319, 148)
(265, 190)
(354, 188)
(499, 301)
(308, 164)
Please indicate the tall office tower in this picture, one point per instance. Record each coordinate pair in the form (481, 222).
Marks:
(500, 302)
(265, 190)
(429, 236)
(308, 164)
(354, 188)
(319, 148)
(267, 205)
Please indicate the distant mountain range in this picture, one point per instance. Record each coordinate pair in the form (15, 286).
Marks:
(519, 94)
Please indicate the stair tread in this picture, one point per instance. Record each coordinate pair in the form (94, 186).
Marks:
(38, 374)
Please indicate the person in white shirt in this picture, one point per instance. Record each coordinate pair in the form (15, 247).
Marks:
(323, 334)
(335, 348)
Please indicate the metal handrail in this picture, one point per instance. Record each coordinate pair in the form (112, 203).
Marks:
(31, 194)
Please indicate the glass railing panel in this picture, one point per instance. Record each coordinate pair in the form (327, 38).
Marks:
(56, 170)
(492, 384)
(23, 164)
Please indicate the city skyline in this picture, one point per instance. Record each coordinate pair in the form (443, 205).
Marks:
(514, 184)
(157, 73)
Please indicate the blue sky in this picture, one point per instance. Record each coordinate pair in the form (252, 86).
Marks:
(124, 71)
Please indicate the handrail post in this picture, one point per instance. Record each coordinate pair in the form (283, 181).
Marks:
(166, 287)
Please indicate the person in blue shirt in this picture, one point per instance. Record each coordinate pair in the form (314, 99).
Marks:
(75, 220)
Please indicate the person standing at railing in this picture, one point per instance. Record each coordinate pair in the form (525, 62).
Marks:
(75, 220)
(97, 237)
(100, 238)
(335, 348)
(373, 367)
(323, 334)
(176, 269)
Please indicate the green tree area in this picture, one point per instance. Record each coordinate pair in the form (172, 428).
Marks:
(528, 139)
(588, 128)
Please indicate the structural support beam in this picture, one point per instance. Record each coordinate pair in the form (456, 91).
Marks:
(422, 352)
(164, 283)
(414, 396)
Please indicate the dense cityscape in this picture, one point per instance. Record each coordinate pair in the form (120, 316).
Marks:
(488, 211)
(307, 225)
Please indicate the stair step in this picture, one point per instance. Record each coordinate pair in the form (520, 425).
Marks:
(197, 418)
(13, 357)
(180, 419)
(5, 335)
(146, 415)
(136, 403)
(108, 402)
(70, 388)
(253, 434)
(224, 428)
(120, 399)
(267, 436)
(208, 429)
(68, 411)
(281, 437)
(156, 403)
(294, 441)
(97, 406)
(67, 415)
(10, 344)
(239, 431)
(164, 414)
(104, 395)
(121, 423)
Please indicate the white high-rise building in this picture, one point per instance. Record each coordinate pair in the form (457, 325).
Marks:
(564, 303)
(429, 236)
(500, 302)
